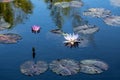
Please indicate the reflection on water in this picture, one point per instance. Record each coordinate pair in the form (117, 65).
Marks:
(33, 53)
(58, 13)
(6, 0)
(80, 26)
(92, 39)
(3, 24)
(16, 11)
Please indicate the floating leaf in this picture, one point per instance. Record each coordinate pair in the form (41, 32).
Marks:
(31, 68)
(97, 12)
(86, 29)
(69, 4)
(57, 31)
(115, 3)
(9, 38)
(112, 20)
(65, 67)
(76, 4)
(93, 66)
(62, 4)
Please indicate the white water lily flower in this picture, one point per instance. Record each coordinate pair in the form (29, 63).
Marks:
(71, 38)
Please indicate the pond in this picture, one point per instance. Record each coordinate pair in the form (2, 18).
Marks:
(59, 39)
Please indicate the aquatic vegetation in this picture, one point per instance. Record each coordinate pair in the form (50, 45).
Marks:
(86, 29)
(112, 20)
(97, 12)
(69, 4)
(62, 4)
(9, 38)
(93, 66)
(115, 3)
(6, 0)
(36, 29)
(31, 68)
(15, 11)
(57, 31)
(71, 38)
(3, 24)
(65, 67)
(76, 4)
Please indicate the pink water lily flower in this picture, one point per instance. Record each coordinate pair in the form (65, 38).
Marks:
(35, 29)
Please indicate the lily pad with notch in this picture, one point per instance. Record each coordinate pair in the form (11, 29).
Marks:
(65, 67)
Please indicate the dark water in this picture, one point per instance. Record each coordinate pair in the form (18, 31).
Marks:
(103, 45)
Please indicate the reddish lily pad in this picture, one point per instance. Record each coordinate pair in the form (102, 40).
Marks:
(9, 38)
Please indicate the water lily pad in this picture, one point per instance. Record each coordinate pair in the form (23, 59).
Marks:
(9, 38)
(31, 68)
(97, 12)
(86, 29)
(62, 4)
(65, 67)
(57, 31)
(3, 25)
(115, 3)
(76, 4)
(6, 0)
(112, 20)
(93, 66)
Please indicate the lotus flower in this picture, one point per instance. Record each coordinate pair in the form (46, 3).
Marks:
(35, 29)
(71, 38)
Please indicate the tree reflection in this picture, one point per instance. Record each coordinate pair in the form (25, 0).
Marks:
(16, 11)
(58, 14)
